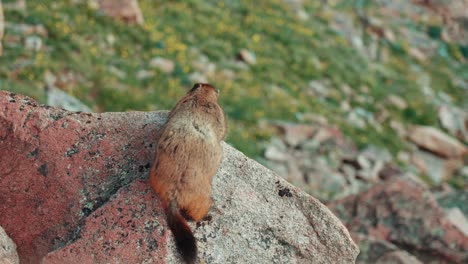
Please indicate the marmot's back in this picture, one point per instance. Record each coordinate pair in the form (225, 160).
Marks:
(188, 154)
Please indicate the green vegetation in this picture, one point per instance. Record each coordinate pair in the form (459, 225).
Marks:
(290, 53)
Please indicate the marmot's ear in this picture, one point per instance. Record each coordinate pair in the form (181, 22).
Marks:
(196, 86)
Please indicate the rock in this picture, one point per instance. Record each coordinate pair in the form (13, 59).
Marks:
(436, 141)
(417, 54)
(125, 10)
(404, 213)
(319, 88)
(398, 257)
(397, 101)
(27, 30)
(437, 169)
(314, 119)
(162, 64)
(19, 5)
(327, 133)
(455, 121)
(375, 153)
(457, 218)
(327, 184)
(295, 134)
(458, 199)
(84, 197)
(247, 57)
(117, 72)
(380, 251)
(59, 98)
(33, 43)
(197, 77)
(355, 120)
(144, 74)
(399, 128)
(228, 74)
(275, 154)
(454, 14)
(8, 254)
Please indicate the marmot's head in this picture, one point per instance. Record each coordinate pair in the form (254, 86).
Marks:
(204, 90)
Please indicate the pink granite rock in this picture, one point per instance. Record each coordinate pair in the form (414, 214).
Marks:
(57, 167)
(73, 190)
(125, 228)
(404, 213)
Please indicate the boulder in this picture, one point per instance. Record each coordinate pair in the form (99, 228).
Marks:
(8, 254)
(436, 141)
(74, 190)
(59, 98)
(404, 213)
(380, 251)
(126, 10)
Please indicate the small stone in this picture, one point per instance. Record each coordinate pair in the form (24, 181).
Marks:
(397, 101)
(417, 54)
(164, 65)
(456, 217)
(301, 14)
(363, 162)
(319, 88)
(389, 35)
(228, 74)
(399, 128)
(19, 5)
(275, 154)
(377, 154)
(8, 254)
(117, 72)
(125, 10)
(144, 74)
(33, 43)
(398, 257)
(455, 121)
(347, 90)
(247, 57)
(355, 120)
(196, 77)
(436, 168)
(404, 157)
(314, 119)
(345, 106)
(59, 98)
(349, 171)
(110, 38)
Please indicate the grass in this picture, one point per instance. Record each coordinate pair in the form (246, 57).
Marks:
(289, 53)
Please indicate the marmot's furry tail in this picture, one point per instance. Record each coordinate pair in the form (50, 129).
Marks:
(184, 239)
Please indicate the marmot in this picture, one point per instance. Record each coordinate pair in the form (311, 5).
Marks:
(188, 154)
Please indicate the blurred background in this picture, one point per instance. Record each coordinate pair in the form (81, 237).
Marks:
(339, 97)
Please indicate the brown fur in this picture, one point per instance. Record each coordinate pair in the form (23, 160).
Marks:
(188, 154)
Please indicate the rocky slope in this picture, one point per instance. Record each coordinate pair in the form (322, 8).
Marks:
(338, 97)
